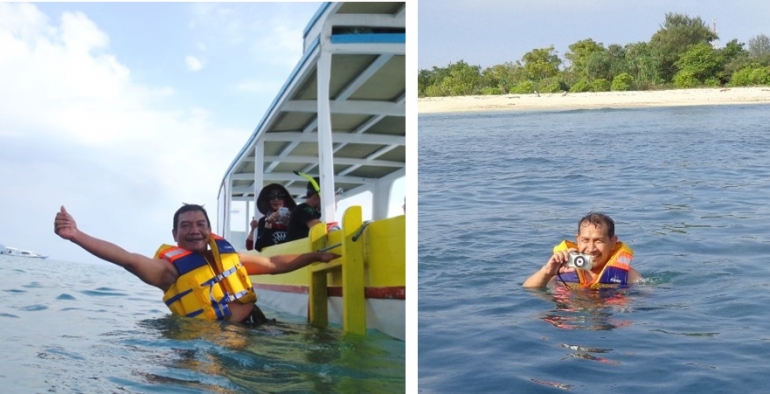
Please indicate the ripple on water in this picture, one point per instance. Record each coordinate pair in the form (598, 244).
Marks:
(34, 308)
(120, 338)
(698, 224)
(58, 352)
(104, 292)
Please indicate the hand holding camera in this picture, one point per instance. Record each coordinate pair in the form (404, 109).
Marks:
(567, 258)
(283, 215)
(580, 261)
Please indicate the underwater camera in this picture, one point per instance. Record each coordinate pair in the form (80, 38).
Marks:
(580, 261)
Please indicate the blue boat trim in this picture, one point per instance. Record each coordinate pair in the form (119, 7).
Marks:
(369, 38)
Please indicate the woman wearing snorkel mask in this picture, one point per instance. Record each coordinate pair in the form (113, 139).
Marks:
(275, 203)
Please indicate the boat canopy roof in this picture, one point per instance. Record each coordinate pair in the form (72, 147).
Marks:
(353, 137)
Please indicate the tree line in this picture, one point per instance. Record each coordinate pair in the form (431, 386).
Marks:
(680, 54)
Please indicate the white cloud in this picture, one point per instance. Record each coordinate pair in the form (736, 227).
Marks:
(90, 137)
(193, 63)
(80, 34)
(259, 86)
(283, 45)
(22, 21)
(61, 82)
(273, 31)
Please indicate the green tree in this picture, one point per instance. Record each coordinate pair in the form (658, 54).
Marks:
(598, 66)
(700, 63)
(550, 85)
(457, 79)
(569, 77)
(676, 35)
(643, 64)
(503, 76)
(541, 63)
(733, 50)
(523, 87)
(429, 82)
(685, 79)
(622, 82)
(751, 76)
(490, 91)
(600, 85)
(580, 86)
(735, 58)
(759, 49)
(618, 62)
(425, 78)
(761, 76)
(579, 53)
(759, 46)
(494, 77)
(435, 91)
(466, 78)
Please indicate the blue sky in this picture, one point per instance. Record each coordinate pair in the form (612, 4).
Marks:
(490, 32)
(123, 111)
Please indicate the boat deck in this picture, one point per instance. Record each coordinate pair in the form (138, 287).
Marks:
(354, 61)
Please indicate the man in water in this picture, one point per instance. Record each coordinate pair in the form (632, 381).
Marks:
(210, 268)
(611, 266)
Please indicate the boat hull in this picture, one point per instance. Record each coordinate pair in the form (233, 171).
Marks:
(384, 315)
(384, 279)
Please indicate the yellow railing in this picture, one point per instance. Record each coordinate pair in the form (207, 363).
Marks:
(350, 247)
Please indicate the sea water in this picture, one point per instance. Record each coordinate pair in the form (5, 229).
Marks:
(689, 190)
(69, 327)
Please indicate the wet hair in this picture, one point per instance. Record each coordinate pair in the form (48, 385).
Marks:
(598, 219)
(189, 208)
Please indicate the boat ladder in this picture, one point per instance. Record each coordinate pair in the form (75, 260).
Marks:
(351, 264)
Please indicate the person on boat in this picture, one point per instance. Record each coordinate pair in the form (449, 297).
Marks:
(611, 266)
(271, 228)
(307, 214)
(202, 276)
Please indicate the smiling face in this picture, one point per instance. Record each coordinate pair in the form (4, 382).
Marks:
(276, 198)
(594, 239)
(192, 231)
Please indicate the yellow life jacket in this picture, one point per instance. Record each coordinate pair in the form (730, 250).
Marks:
(203, 291)
(614, 274)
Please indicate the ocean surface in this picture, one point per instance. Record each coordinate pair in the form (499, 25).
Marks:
(689, 190)
(69, 327)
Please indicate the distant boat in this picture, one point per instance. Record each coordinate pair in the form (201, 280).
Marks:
(9, 251)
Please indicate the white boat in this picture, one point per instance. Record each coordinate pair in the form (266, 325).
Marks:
(9, 251)
(340, 116)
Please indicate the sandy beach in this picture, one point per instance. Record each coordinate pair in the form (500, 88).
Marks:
(562, 101)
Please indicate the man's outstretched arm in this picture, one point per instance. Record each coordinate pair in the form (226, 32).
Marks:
(260, 265)
(158, 273)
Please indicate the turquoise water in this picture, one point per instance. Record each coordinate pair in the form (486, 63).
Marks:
(83, 328)
(688, 188)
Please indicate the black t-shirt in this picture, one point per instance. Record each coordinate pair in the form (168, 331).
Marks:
(302, 214)
(269, 236)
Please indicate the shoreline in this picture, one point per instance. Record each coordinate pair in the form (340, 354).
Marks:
(591, 100)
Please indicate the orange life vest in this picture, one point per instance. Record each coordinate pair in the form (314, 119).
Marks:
(203, 291)
(614, 274)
